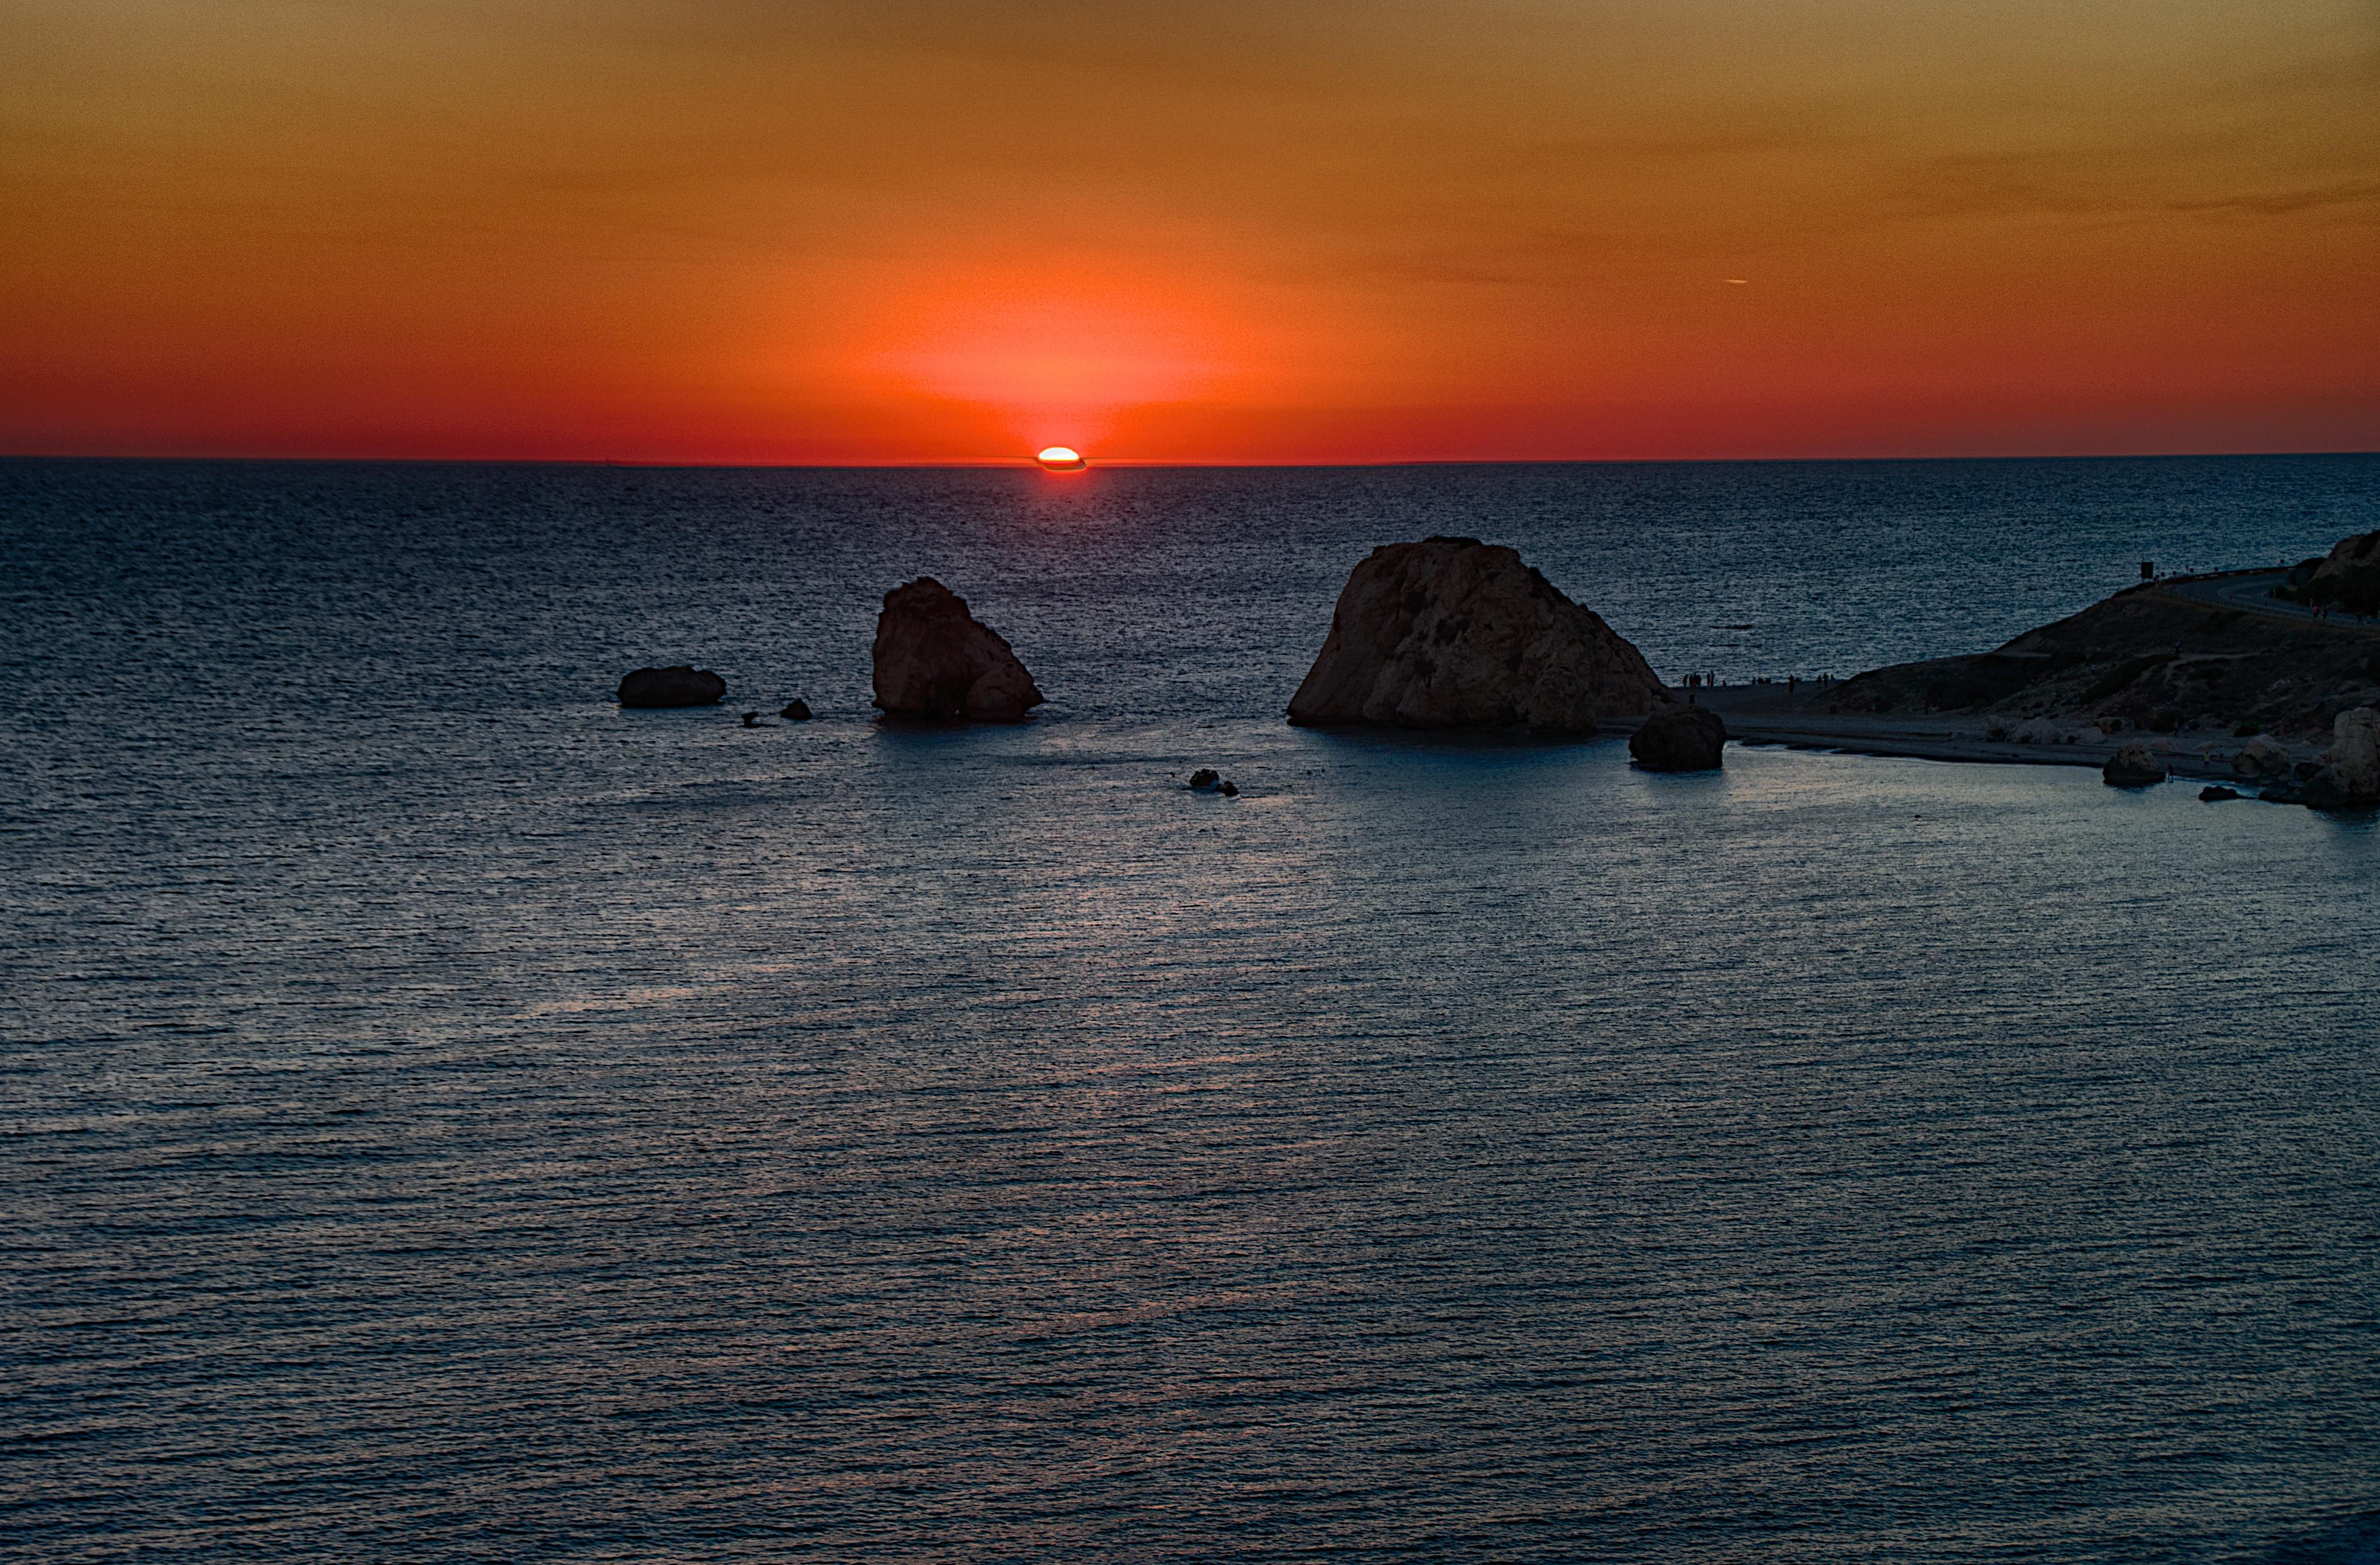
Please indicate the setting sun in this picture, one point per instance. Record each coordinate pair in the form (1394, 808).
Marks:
(1060, 459)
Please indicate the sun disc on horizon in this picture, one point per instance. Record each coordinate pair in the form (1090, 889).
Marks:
(1060, 459)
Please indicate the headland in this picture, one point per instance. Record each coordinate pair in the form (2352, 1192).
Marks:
(2196, 669)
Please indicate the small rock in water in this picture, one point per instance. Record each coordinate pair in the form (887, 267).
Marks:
(2216, 793)
(751, 720)
(678, 686)
(2132, 767)
(1231, 790)
(796, 712)
(1204, 779)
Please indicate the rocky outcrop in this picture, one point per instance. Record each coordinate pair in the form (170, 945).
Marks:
(933, 659)
(2350, 773)
(2132, 767)
(1680, 739)
(796, 710)
(1453, 633)
(675, 686)
(2348, 581)
(2260, 758)
(2147, 658)
(2360, 552)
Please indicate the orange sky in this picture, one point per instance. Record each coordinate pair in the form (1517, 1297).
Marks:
(1300, 230)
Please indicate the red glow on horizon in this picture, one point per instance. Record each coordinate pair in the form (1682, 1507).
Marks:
(932, 233)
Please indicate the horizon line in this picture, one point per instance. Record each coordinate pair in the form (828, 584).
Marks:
(1027, 463)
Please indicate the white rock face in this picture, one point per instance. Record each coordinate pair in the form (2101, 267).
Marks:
(2352, 765)
(1453, 633)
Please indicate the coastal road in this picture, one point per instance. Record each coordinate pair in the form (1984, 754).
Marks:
(2250, 592)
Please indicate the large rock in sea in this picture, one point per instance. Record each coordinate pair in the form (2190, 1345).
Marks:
(2132, 767)
(933, 659)
(675, 686)
(1680, 739)
(1453, 633)
(2349, 778)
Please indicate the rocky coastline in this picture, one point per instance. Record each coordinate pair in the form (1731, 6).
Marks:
(2209, 677)
(2256, 677)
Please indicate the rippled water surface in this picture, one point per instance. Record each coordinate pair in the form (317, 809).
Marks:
(448, 1117)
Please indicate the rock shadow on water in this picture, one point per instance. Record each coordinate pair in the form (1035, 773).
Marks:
(2355, 1541)
(1465, 740)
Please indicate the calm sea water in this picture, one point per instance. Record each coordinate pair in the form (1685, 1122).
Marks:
(447, 1117)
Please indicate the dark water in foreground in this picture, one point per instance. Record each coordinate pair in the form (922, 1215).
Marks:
(448, 1117)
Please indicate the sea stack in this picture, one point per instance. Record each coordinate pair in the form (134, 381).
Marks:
(935, 660)
(678, 686)
(1453, 633)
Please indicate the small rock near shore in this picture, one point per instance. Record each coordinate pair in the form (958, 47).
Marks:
(795, 712)
(678, 686)
(2259, 759)
(1680, 739)
(1204, 779)
(2132, 767)
(1230, 789)
(2216, 793)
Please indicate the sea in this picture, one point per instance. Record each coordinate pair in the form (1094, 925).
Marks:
(444, 1116)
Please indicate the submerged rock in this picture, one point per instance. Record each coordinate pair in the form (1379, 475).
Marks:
(795, 712)
(2216, 793)
(933, 659)
(1204, 779)
(1453, 633)
(1680, 739)
(2132, 767)
(674, 687)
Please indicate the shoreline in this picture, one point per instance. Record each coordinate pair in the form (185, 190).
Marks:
(2192, 669)
(1768, 715)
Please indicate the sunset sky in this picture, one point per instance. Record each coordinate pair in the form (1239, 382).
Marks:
(1287, 231)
